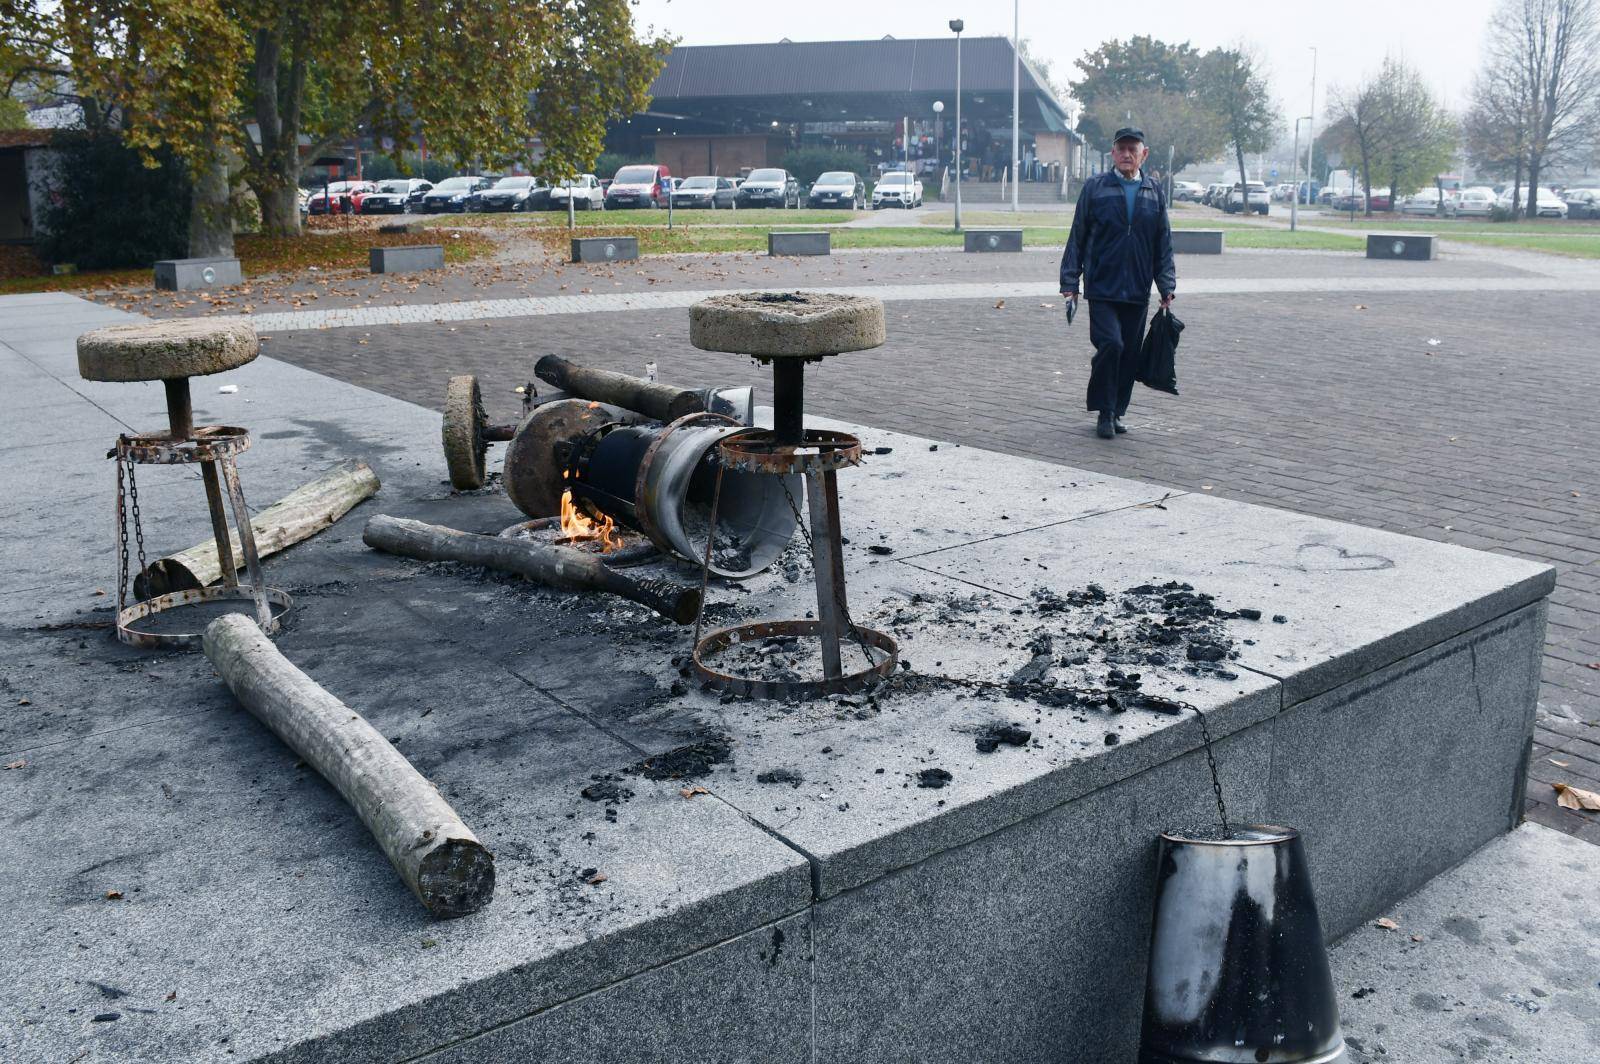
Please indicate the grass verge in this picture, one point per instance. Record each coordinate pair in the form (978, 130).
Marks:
(637, 219)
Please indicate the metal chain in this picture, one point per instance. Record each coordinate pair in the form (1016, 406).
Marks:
(138, 525)
(122, 535)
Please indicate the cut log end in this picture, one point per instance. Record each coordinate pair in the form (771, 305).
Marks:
(456, 878)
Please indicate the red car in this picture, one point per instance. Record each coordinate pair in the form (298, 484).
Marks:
(345, 197)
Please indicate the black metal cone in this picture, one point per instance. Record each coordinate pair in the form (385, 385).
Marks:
(1238, 972)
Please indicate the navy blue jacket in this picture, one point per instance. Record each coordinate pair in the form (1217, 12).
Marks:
(1118, 258)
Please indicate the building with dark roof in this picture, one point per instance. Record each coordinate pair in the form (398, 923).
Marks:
(724, 109)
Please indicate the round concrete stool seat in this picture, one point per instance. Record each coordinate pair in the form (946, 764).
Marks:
(166, 350)
(775, 325)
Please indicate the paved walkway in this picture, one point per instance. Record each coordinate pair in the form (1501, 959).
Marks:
(1451, 400)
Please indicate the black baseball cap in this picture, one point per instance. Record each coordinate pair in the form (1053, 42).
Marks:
(1129, 133)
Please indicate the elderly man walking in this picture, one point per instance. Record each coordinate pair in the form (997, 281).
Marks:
(1121, 242)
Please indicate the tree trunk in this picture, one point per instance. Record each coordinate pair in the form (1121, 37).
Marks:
(299, 515)
(1532, 208)
(438, 856)
(280, 207)
(210, 212)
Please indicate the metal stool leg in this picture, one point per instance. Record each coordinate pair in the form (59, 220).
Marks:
(827, 548)
(219, 525)
(247, 542)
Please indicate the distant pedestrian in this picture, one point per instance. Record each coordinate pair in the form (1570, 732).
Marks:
(1121, 242)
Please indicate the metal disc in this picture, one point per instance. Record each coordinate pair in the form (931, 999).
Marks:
(464, 422)
(533, 469)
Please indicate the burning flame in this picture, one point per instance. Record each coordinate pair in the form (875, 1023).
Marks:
(577, 526)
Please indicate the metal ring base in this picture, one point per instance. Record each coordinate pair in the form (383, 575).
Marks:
(745, 687)
(207, 444)
(178, 599)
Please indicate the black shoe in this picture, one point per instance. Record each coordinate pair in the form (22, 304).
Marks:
(1104, 428)
(1117, 424)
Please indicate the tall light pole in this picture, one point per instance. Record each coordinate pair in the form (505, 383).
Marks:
(957, 26)
(938, 134)
(1311, 132)
(1294, 174)
(1016, 100)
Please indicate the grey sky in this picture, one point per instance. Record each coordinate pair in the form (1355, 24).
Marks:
(1351, 37)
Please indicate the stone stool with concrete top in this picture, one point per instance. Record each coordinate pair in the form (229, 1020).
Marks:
(171, 352)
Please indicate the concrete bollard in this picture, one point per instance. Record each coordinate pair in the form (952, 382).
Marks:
(1414, 246)
(800, 243)
(981, 240)
(407, 258)
(182, 275)
(1197, 241)
(605, 248)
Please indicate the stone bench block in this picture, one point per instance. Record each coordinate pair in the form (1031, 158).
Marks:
(1197, 241)
(800, 243)
(605, 248)
(992, 240)
(408, 258)
(183, 275)
(1412, 246)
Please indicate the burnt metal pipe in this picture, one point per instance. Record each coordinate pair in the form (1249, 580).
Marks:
(659, 401)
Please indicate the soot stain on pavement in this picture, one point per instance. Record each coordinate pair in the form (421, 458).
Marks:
(689, 762)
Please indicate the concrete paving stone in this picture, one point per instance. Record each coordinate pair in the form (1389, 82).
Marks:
(205, 825)
(1448, 728)
(746, 999)
(1493, 961)
(1026, 944)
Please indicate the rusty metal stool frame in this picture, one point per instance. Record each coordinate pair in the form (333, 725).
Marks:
(213, 447)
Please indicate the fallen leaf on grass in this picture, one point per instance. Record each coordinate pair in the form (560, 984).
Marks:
(690, 792)
(1576, 798)
(1387, 924)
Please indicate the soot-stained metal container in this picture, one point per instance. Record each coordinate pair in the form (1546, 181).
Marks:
(1238, 972)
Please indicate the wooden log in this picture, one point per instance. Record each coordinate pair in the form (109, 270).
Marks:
(558, 567)
(659, 401)
(299, 515)
(438, 856)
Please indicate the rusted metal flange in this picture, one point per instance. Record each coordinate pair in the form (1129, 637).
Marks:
(758, 451)
(207, 444)
(747, 687)
(278, 603)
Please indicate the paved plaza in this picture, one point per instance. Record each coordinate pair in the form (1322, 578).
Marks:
(1451, 400)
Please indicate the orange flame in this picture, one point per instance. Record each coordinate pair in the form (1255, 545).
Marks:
(577, 526)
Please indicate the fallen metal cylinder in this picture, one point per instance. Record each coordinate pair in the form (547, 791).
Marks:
(1238, 972)
(437, 855)
(662, 480)
(558, 567)
(659, 401)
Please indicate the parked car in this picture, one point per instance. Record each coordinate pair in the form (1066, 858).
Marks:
(1260, 200)
(1349, 201)
(638, 186)
(1187, 191)
(1215, 193)
(1550, 205)
(712, 193)
(1475, 202)
(508, 194)
(1283, 192)
(1382, 200)
(769, 187)
(897, 189)
(838, 188)
(451, 194)
(337, 197)
(1429, 201)
(1582, 203)
(395, 196)
(583, 191)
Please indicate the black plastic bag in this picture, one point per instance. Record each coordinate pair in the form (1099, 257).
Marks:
(1158, 361)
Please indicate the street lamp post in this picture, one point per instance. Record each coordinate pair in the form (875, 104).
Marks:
(938, 133)
(1016, 101)
(1294, 173)
(956, 26)
(1311, 132)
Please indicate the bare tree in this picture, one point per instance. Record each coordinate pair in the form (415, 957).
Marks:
(1554, 45)
(1359, 125)
(1497, 122)
(1233, 85)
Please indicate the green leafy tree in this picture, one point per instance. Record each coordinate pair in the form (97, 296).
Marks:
(1232, 86)
(1124, 70)
(1172, 120)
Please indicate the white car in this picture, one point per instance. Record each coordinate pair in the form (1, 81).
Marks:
(1475, 202)
(1550, 204)
(584, 191)
(1187, 191)
(1260, 199)
(897, 189)
(1427, 202)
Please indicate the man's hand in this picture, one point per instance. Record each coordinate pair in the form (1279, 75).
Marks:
(1166, 300)
(1070, 297)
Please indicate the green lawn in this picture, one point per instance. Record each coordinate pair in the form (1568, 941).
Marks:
(1577, 245)
(1580, 239)
(754, 238)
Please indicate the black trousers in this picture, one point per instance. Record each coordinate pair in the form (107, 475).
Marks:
(1117, 332)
